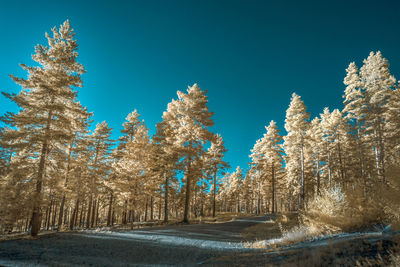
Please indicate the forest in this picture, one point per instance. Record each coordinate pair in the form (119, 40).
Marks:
(337, 172)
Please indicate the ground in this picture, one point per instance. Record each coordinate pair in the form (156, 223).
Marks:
(220, 243)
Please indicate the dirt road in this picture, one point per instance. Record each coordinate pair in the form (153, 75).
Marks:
(198, 244)
(128, 248)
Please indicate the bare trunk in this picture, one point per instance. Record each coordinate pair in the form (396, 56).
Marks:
(36, 211)
(166, 198)
(97, 213)
(187, 197)
(302, 185)
(318, 178)
(214, 190)
(273, 187)
(124, 213)
(88, 212)
(151, 208)
(81, 217)
(109, 210)
(93, 213)
(146, 208)
(74, 215)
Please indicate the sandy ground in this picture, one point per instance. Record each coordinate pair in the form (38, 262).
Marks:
(205, 244)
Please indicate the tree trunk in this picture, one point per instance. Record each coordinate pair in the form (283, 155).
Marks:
(124, 213)
(46, 217)
(159, 208)
(89, 210)
(74, 215)
(97, 213)
(109, 210)
(146, 208)
(82, 214)
(61, 213)
(151, 208)
(318, 178)
(166, 198)
(93, 213)
(302, 195)
(37, 200)
(342, 178)
(214, 190)
(187, 197)
(273, 187)
(36, 211)
(382, 151)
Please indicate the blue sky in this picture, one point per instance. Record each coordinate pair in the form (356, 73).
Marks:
(249, 55)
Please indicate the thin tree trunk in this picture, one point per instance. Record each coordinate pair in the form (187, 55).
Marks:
(273, 187)
(109, 210)
(341, 165)
(214, 190)
(46, 217)
(188, 180)
(53, 221)
(151, 208)
(382, 152)
(93, 213)
(37, 200)
(124, 213)
(146, 208)
(81, 218)
(166, 198)
(318, 178)
(74, 215)
(302, 195)
(89, 210)
(61, 213)
(159, 208)
(97, 213)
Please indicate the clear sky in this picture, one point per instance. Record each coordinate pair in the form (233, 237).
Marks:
(249, 55)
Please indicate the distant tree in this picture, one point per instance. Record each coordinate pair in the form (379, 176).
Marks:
(215, 163)
(99, 166)
(166, 161)
(236, 180)
(267, 156)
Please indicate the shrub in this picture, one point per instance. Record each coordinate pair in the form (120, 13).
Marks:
(353, 209)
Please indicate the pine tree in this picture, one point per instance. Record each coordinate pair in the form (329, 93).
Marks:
(215, 163)
(99, 166)
(267, 155)
(189, 118)
(166, 161)
(235, 187)
(393, 127)
(378, 84)
(295, 144)
(47, 102)
(355, 111)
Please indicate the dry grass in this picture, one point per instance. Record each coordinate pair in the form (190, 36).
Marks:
(220, 217)
(262, 231)
(281, 223)
(284, 230)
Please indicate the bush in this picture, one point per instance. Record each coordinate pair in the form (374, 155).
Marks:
(353, 210)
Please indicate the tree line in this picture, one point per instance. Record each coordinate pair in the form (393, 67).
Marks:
(56, 173)
(354, 150)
